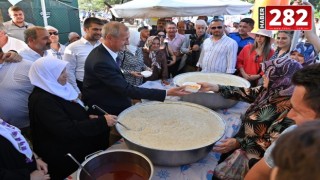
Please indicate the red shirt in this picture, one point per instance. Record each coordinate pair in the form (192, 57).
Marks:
(250, 62)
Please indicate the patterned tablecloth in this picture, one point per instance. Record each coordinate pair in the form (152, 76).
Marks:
(202, 169)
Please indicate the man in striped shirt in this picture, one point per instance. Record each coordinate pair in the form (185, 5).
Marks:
(219, 53)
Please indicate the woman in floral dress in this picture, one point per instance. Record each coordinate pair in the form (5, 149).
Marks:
(264, 120)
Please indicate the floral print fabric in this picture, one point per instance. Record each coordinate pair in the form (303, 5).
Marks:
(264, 119)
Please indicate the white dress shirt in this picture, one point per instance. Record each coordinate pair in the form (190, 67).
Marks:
(76, 54)
(29, 54)
(14, 44)
(113, 54)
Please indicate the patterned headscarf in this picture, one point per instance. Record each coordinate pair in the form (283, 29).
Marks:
(152, 54)
(308, 51)
(279, 72)
(149, 41)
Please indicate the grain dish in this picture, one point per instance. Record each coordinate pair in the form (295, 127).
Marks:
(214, 78)
(171, 125)
(191, 87)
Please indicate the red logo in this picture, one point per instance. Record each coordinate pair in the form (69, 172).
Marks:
(287, 18)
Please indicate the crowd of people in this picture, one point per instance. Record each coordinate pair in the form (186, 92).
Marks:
(48, 89)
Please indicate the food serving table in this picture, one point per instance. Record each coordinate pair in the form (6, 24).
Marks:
(203, 169)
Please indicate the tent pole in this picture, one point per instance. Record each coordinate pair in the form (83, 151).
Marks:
(44, 13)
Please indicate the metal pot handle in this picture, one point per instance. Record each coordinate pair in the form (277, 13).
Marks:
(89, 155)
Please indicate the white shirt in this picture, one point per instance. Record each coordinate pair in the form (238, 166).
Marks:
(113, 54)
(76, 54)
(29, 54)
(14, 44)
(15, 88)
(218, 56)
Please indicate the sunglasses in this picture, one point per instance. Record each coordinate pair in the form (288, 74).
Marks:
(161, 36)
(218, 27)
(256, 58)
(53, 33)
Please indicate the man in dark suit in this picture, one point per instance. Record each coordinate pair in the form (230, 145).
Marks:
(104, 83)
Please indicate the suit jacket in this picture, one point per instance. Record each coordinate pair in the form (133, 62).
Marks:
(59, 127)
(105, 85)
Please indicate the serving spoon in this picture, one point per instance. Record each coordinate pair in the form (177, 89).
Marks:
(105, 112)
(81, 167)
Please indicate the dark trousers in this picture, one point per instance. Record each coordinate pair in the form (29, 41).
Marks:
(79, 84)
(174, 68)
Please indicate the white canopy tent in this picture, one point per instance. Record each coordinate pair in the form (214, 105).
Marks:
(180, 8)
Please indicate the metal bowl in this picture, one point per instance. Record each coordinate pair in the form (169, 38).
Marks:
(210, 99)
(117, 165)
(135, 116)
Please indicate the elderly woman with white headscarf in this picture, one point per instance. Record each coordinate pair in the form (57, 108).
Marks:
(59, 121)
(132, 60)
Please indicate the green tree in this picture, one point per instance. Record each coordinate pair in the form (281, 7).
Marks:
(98, 4)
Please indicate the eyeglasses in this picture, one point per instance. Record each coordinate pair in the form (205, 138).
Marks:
(256, 58)
(161, 36)
(53, 33)
(213, 27)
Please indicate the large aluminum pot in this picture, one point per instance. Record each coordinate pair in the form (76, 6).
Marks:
(159, 130)
(117, 165)
(210, 99)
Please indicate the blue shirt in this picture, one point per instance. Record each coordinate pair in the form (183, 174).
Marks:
(241, 42)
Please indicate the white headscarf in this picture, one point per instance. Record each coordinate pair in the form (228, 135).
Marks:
(134, 40)
(44, 73)
(13, 135)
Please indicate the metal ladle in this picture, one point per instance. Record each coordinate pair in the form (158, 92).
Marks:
(81, 167)
(103, 111)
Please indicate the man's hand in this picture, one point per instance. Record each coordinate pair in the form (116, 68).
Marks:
(196, 47)
(177, 53)
(11, 56)
(177, 91)
(111, 119)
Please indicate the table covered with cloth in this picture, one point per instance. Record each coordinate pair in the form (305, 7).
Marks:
(202, 169)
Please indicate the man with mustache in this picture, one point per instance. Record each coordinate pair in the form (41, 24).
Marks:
(37, 39)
